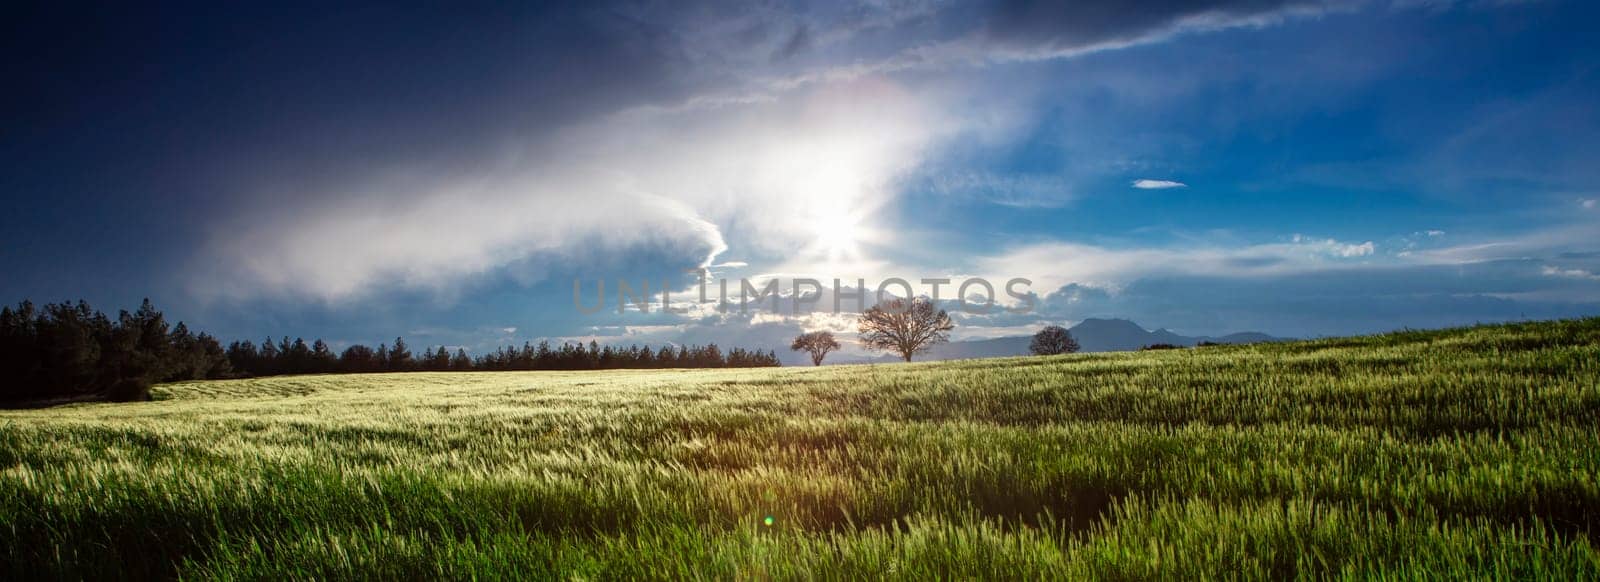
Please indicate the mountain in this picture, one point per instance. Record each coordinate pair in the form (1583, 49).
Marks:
(1093, 335)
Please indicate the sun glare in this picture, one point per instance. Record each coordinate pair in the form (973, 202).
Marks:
(834, 217)
(836, 235)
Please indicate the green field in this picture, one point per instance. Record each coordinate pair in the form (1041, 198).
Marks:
(1470, 452)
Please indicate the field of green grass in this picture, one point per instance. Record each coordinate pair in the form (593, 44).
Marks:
(1460, 453)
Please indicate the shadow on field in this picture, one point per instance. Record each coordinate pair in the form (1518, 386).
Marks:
(1071, 511)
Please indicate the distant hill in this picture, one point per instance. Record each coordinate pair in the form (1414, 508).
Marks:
(1094, 335)
(1116, 335)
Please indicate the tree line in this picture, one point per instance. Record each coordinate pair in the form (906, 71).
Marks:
(70, 350)
(574, 356)
(297, 357)
(65, 350)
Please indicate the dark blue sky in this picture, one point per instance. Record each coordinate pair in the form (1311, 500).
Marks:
(445, 171)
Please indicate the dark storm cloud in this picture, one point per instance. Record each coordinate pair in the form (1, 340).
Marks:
(294, 95)
(175, 105)
(137, 138)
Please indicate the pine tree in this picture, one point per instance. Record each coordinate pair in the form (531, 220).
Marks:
(214, 362)
(322, 358)
(400, 356)
(186, 355)
(358, 358)
(439, 360)
(243, 358)
(267, 362)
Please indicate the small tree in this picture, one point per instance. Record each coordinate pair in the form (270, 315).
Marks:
(1053, 340)
(905, 327)
(816, 343)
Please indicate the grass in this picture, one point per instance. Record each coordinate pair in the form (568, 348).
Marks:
(1461, 453)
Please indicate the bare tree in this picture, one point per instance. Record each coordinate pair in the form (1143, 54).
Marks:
(1053, 340)
(816, 343)
(904, 326)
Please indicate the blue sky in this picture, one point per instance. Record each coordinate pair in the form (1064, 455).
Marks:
(356, 173)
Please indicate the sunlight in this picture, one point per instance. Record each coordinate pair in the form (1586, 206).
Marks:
(833, 218)
(836, 234)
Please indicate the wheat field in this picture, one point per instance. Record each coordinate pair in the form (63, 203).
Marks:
(1458, 453)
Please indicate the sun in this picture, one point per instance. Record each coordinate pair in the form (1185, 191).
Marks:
(835, 233)
(838, 233)
(835, 203)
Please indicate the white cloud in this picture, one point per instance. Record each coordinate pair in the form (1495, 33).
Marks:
(1148, 184)
(1554, 271)
(1021, 191)
(1054, 264)
(1360, 250)
(1334, 248)
(982, 47)
(1575, 236)
(665, 180)
(1588, 203)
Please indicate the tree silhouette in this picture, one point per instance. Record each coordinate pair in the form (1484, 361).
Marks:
(816, 343)
(905, 327)
(400, 356)
(439, 360)
(358, 358)
(322, 357)
(1053, 340)
(214, 362)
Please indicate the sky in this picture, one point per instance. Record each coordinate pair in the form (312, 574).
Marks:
(449, 172)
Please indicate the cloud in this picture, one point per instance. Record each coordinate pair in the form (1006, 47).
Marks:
(742, 128)
(749, 132)
(1033, 30)
(1354, 300)
(1553, 271)
(1054, 264)
(663, 180)
(1147, 184)
(1588, 204)
(1571, 236)
(1344, 250)
(1016, 190)
(995, 33)
(1314, 286)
